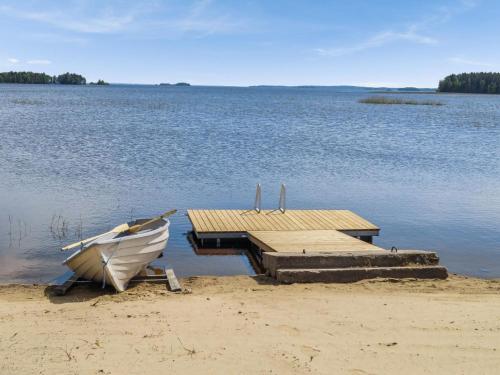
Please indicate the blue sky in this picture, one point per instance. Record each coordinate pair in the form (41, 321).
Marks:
(217, 42)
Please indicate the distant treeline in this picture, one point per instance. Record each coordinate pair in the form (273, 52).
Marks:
(480, 83)
(175, 84)
(99, 83)
(42, 78)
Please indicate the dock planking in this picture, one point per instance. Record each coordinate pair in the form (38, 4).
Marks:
(236, 223)
(309, 241)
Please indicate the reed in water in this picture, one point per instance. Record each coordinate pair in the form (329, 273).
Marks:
(386, 100)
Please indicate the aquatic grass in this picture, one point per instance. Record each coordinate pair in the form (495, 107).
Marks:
(27, 102)
(386, 100)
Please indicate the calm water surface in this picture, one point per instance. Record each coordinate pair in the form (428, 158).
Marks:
(76, 161)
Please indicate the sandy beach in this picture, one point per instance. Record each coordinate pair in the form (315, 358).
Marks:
(250, 325)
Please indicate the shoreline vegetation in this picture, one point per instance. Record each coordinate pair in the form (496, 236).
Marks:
(175, 84)
(471, 83)
(42, 78)
(386, 100)
(467, 83)
(99, 82)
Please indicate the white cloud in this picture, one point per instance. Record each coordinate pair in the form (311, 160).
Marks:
(461, 61)
(413, 34)
(199, 17)
(14, 61)
(379, 40)
(39, 62)
(469, 3)
(443, 14)
(107, 22)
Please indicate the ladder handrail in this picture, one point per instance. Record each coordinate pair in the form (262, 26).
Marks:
(258, 199)
(282, 203)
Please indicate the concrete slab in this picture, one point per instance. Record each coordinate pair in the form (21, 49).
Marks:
(382, 258)
(349, 275)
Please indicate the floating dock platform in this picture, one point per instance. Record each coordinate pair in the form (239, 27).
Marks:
(219, 224)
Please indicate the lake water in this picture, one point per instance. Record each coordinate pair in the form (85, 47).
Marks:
(76, 161)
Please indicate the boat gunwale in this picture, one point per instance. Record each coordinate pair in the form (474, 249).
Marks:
(133, 236)
(88, 246)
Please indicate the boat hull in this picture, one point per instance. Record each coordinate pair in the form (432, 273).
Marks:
(116, 260)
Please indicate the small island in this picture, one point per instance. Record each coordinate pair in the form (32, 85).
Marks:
(473, 83)
(99, 82)
(42, 78)
(26, 77)
(175, 84)
(71, 79)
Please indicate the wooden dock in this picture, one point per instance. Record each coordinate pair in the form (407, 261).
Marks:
(310, 245)
(217, 224)
(308, 241)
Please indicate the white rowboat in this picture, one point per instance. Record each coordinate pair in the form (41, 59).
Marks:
(116, 258)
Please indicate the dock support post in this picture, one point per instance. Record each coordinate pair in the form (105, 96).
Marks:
(258, 199)
(173, 283)
(282, 203)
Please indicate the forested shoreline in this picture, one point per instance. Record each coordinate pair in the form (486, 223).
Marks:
(42, 78)
(476, 83)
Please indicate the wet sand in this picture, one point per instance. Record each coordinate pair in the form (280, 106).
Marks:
(250, 325)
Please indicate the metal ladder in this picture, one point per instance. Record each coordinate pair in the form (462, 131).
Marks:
(258, 199)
